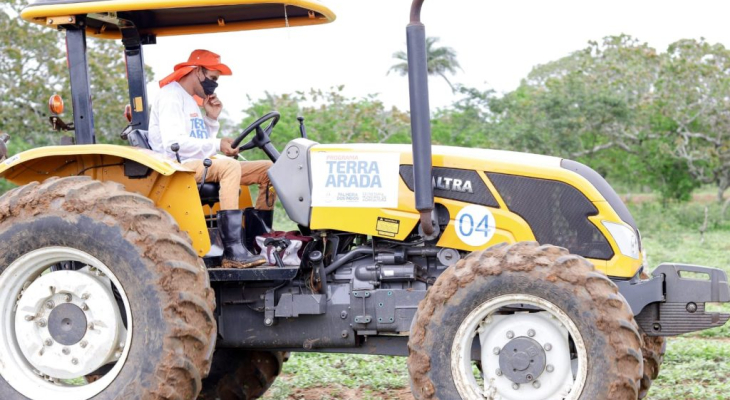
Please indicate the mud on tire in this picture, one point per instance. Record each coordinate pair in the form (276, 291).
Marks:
(589, 299)
(168, 289)
(239, 374)
(653, 353)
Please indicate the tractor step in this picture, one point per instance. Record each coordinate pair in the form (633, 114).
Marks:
(252, 274)
(686, 290)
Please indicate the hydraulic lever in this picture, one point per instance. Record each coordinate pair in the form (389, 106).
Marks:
(175, 148)
(302, 128)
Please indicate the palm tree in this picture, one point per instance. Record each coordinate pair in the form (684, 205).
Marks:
(440, 61)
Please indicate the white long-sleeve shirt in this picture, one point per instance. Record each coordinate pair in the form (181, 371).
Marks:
(177, 118)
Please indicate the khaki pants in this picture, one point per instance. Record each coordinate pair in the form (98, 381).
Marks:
(231, 175)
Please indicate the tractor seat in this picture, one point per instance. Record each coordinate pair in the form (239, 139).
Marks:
(209, 193)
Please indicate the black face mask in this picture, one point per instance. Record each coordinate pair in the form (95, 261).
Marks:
(209, 86)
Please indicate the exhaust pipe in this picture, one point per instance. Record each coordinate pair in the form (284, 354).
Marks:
(420, 117)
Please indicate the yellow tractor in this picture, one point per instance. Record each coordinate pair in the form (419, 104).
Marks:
(499, 275)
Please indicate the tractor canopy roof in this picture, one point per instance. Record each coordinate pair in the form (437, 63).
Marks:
(177, 17)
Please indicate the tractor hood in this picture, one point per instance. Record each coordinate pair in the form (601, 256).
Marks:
(497, 161)
(177, 17)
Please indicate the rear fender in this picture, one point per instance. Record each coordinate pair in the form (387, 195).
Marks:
(170, 185)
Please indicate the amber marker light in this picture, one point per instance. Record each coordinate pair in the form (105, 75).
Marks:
(55, 104)
(128, 113)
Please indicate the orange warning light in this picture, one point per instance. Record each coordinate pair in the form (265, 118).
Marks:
(128, 113)
(55, 104)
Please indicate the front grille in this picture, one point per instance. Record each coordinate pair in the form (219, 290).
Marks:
(557, 213)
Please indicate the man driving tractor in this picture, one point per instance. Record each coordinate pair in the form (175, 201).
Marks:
(176, 119)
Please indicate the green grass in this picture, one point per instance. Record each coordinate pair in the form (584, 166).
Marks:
(694, 368)
(373, 375)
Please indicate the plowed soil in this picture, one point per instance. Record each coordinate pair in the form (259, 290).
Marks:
(318, 393)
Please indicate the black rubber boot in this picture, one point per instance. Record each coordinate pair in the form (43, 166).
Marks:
(268, 217)
(234, 254)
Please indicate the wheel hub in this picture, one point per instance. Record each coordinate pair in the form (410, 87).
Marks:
(522, 360)
(67, 324)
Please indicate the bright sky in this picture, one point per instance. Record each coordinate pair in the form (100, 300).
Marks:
(497, 44)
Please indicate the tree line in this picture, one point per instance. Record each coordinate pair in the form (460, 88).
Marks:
(641, 117)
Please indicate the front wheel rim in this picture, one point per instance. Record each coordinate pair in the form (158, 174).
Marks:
(20, 329)
(485, 323)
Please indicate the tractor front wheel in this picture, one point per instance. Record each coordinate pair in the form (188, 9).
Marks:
(102, 296)
(548, 326)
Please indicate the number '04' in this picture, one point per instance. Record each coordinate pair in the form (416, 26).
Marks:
(482, 226)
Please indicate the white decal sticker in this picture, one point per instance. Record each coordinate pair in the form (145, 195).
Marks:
(12, 160)
(355, 179)
(475, 225)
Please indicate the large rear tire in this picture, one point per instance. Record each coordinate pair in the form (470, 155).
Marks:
(139, 265)
(550, 327)
(239, 374)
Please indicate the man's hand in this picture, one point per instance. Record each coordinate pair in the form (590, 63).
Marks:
(213, 106)
(226, 147)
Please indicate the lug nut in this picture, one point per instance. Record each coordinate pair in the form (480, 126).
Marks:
(42, 323)
(498, 372)
(29, 317)
(516, 386)
(510, 334)
(268, 321)
(85, 307)
(66, 351)
(50, 304)
(83, 344)
(548, 347)
(48, 342)
(536, 384)
(531, 333)
(550, 368)
(496, 351)
(91, 326)
(85, 296)
(68, 298)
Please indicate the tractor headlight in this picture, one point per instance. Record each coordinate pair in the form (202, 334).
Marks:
(625, 238)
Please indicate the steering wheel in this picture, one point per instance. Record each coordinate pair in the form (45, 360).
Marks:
(262, 134)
